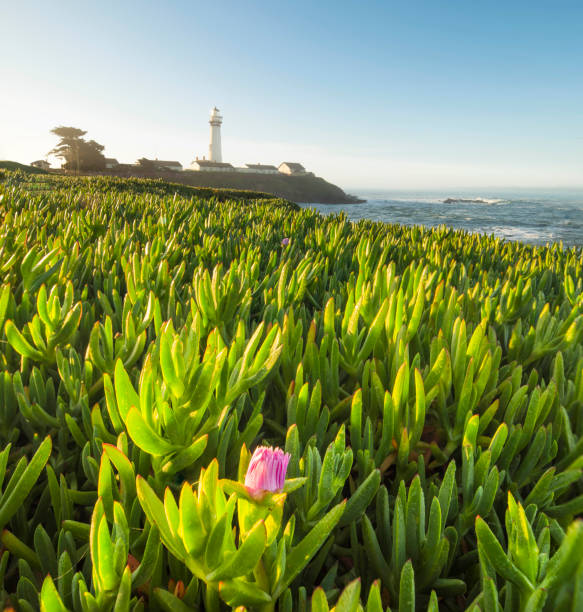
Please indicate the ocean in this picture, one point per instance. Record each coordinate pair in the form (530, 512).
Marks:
(535, 217)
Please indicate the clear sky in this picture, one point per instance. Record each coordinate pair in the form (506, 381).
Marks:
(424, 94)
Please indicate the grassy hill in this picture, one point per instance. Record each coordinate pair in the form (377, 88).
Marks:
(11, 165)
(301, 188)
(97, 183)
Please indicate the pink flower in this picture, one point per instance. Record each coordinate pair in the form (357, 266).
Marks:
(285, 242)
(266, 471)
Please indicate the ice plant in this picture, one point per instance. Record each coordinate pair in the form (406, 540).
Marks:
(266, 471)
(285, 242)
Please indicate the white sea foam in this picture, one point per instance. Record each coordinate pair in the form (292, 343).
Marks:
(521, 233)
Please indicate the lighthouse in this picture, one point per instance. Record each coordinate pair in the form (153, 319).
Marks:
(215, 121)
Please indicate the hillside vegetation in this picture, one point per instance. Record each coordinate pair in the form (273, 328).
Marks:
(427, 383)
(92, 184)
(297, 188)
(300, 188)
(15, 166)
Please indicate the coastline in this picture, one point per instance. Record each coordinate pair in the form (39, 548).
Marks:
(305, 189)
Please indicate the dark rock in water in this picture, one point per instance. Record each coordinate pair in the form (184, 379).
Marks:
(464, 201)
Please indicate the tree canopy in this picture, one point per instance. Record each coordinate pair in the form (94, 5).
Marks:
(78, 153)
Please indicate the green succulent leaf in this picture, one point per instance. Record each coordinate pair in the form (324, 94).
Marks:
(21, 484)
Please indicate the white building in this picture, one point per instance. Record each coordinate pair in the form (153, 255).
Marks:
(175, 166)
(215, 152)
(205, 165)
(259, 169)
(43, 164)
(291, 168)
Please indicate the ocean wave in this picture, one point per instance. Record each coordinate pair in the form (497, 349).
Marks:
(522, 234)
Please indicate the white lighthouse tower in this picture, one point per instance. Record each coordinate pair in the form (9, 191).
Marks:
(215, 121)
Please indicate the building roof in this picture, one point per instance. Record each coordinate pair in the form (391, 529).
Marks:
(111, 160)
(159, 162)
(212, 164)
(293, 166)
(261, 166)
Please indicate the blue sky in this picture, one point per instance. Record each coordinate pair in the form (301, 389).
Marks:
(423, 95)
